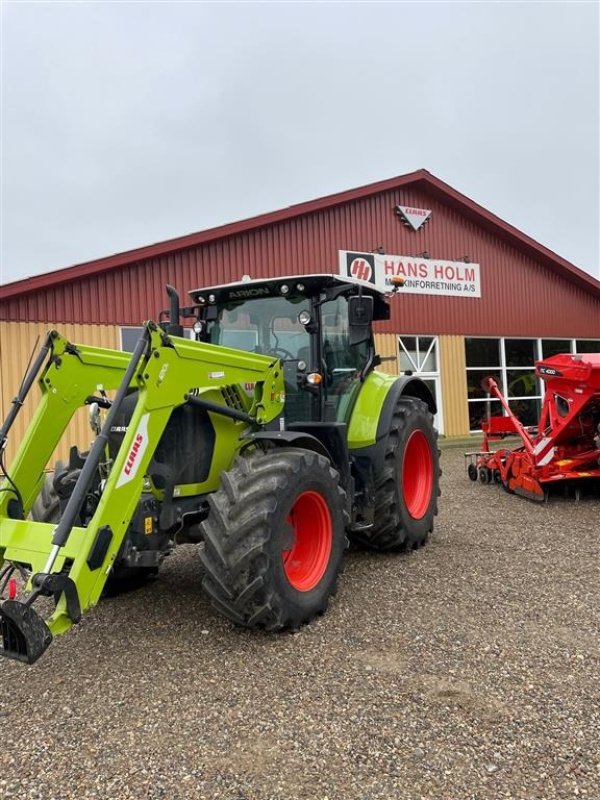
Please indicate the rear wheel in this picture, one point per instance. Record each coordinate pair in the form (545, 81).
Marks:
(407, 489)
(274, 539)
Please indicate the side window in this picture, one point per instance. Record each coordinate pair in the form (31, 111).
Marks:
(342, 363)
(339, 356)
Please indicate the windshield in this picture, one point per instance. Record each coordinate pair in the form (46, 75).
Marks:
(267, 325)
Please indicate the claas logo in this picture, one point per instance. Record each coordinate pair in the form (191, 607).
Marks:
(361, 266)
(133, 454)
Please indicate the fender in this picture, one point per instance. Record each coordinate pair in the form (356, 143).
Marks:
(307, 441)
(404, 386)
(290, 439)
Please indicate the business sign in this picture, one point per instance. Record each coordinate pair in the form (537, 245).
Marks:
(422, 275)
(413, 217)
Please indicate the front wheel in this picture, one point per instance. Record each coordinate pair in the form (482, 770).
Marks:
(407, 489)
(274, 539)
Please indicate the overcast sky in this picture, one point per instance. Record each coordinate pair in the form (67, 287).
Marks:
(124, 124)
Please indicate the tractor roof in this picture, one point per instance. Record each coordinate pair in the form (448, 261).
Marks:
(299, 285)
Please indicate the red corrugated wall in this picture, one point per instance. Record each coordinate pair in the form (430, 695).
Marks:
(521, 296)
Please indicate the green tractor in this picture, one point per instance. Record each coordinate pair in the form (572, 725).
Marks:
(260, 432)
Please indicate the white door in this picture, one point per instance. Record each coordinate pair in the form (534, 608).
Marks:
(419, 355)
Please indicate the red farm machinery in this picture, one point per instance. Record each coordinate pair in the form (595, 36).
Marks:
(563, 449)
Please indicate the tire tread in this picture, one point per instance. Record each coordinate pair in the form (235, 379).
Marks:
(388, 533)
(238, 574)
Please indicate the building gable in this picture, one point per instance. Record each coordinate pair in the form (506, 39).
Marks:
(525, 288)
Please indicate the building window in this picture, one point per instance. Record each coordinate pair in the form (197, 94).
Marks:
(129, 338)
(587, 346)
(483, 358)
(521, 386)
(520, 352)
(419, 356)
(483, 352)
(512, 363)
(554, 347)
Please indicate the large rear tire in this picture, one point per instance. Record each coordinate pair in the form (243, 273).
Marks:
(274, 539)
(407, 489)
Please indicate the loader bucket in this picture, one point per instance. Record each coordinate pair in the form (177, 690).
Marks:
(25, 635)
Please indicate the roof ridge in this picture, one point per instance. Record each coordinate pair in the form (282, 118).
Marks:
(421, 176)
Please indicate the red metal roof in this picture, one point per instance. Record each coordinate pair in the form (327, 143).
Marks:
(421, 179)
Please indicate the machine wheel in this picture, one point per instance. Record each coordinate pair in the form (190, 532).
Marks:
(472, 472)
(274, 539)
(407, 490)
(46, 507)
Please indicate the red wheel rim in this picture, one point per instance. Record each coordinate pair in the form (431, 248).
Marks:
(417, 475)
(306, 561)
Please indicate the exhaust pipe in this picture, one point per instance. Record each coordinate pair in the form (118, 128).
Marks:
(173, 328)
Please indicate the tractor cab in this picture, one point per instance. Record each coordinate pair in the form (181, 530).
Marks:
(319, 326)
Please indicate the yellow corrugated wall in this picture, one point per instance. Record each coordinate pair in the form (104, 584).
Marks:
(386, 344)
(17, 341)
(454, 385)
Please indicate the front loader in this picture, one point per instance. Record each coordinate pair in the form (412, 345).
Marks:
(262, 433)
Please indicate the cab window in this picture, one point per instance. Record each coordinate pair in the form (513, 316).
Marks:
(342, 363)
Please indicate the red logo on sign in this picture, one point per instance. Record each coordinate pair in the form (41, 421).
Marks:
(361, 269)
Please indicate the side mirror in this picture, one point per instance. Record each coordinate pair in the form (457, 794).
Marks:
(360, 317)
(211, 314)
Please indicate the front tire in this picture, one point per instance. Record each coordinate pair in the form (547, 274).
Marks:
(274, 539)
(407, 489)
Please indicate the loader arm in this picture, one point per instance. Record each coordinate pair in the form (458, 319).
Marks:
(70, 563)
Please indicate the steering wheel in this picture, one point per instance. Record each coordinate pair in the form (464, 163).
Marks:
(282, 354)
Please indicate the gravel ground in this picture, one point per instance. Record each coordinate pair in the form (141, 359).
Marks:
(470, 669)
